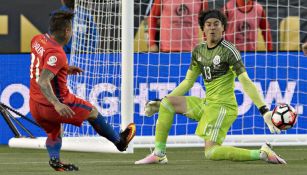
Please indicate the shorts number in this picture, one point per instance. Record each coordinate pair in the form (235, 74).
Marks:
(208, 130)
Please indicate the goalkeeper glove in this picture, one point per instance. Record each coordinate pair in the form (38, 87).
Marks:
(152, 107)
(267, 116)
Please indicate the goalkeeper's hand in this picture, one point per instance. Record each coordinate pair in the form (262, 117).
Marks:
(268, 120)
(152, 107)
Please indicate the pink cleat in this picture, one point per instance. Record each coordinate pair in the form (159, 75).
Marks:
(152, 159)
(268, 155)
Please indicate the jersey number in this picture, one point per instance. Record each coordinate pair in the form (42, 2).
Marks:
(34, 69)
(207, 72)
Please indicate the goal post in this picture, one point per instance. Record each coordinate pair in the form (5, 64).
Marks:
(110, 43)
(102, 47)
(109, 76)
(127, 91)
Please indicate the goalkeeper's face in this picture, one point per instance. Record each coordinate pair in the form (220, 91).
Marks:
(213, 29)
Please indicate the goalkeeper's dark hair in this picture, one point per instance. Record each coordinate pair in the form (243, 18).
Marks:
(60, 20)
(204, 15)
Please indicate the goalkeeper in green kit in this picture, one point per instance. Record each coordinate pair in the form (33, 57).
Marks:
(219, 63)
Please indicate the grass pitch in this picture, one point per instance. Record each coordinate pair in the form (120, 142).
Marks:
(182, 161)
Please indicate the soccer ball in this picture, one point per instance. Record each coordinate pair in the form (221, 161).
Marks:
(284, 116)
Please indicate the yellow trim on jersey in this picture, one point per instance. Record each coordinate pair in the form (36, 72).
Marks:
(251, 90)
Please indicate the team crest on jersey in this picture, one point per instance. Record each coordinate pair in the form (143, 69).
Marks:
(216, 60)
(52, 60)
(199, 59)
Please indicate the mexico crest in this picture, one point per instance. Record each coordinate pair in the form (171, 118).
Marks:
(216, 60)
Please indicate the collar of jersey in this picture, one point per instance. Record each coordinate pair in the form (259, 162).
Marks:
(51, 39)
(215, 45)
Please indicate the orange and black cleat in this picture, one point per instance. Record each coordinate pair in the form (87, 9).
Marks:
(125, 137)
(59, 166)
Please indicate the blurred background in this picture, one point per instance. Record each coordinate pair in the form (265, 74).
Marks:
(21, 20)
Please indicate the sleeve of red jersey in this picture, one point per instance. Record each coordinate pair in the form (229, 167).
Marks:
(152, 21)
(205, 5)
(54, 61)
(266, 31)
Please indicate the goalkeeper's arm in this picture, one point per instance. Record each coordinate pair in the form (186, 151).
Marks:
(185, 85)
(251, 90)
(153, 106)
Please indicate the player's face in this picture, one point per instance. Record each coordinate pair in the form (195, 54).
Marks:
(213, 29)
(68, 34)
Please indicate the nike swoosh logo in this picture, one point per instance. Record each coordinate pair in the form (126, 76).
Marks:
(132, 132)
(161, 159)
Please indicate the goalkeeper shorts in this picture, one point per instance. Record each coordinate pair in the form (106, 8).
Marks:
(215, 122)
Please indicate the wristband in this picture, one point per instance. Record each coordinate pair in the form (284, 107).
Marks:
(263, 109)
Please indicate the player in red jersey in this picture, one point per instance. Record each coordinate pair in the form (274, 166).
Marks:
(178, 24)
(51, 103)
(244, 18)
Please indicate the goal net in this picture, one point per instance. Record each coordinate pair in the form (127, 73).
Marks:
(268, 34)
(99, 49)
(119, 81)
(273, 61)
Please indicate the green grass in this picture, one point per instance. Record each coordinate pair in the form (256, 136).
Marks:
(182, 161)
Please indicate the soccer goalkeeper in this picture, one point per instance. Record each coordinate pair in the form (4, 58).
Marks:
(219, 62)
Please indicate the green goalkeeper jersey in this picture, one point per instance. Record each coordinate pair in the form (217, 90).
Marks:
(219, 67)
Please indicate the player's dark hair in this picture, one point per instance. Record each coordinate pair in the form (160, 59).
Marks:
(69, 3)
(60, 20)
(204, 15)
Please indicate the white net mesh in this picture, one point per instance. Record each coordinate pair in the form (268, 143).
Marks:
(96, 49)
(275, 64)
(268, 35)
(279, 73)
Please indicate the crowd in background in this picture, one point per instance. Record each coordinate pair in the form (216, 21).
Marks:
(172, 26)
(281, 25)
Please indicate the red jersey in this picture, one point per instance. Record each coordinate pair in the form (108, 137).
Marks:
(242, 26)
(46, 53)
(178, 24)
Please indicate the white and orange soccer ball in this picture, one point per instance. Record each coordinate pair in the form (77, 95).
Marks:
(284, 116)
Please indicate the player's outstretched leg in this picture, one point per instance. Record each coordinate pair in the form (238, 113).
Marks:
(125, 137)
(104, 129)
(268, 155)
(57, 165)
(152, 159)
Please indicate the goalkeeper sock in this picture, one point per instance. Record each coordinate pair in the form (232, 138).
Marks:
(104, 129)
(54, 146)
(231, 153)
(164, 123)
